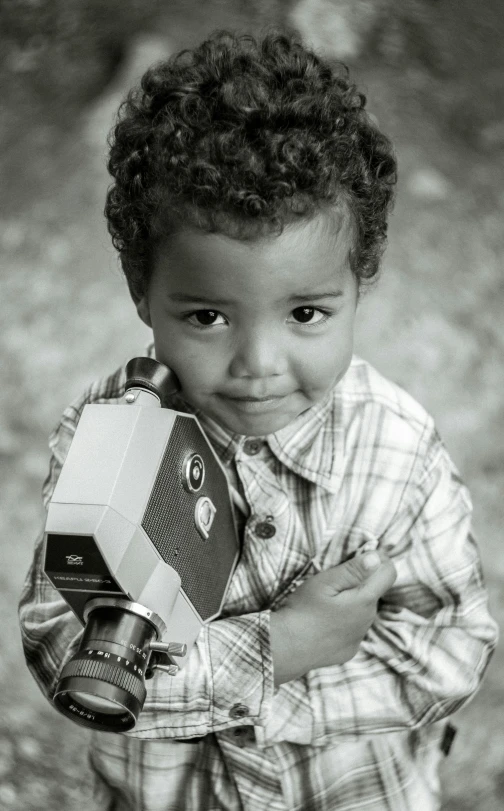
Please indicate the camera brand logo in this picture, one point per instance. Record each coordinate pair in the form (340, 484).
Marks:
(74, 560)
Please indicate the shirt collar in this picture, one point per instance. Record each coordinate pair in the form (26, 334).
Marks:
(312, 445)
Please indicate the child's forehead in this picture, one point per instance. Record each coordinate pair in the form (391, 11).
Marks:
(306, 256)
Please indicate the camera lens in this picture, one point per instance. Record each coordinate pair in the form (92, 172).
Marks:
(96, 703)
(103, 685)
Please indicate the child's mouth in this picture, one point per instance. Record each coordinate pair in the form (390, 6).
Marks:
(255, 405)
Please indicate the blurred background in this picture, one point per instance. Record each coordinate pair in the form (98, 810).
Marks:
(433, 71)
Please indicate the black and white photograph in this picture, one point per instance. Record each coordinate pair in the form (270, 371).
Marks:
(252, 405)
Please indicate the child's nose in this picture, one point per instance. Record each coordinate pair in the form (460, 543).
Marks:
(258, 355)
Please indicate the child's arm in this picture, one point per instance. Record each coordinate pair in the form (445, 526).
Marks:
(229, 671)
(425, 654)
(422, 658)
(324, 622)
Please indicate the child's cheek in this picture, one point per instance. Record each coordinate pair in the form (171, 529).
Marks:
(323, 372)
(197, 373)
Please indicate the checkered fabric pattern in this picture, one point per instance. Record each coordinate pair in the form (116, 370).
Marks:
(365, 465)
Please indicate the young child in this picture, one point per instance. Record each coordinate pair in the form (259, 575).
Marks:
(249, 207)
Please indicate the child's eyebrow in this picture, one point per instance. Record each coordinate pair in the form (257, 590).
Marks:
(316, 296)
(189, 298)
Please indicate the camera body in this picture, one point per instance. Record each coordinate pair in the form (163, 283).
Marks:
(141, 522)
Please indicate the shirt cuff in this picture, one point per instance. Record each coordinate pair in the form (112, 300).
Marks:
(290, 718)
(241, 670)
(227, 681)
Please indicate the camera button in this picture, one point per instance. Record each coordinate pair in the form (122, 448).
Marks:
(193, 474)
(204, 514)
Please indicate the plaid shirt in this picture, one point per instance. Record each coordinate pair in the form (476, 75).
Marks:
(365, 465)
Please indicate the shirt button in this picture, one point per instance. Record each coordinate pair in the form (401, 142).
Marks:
(264, 529)
(252, 446)
(239, 711)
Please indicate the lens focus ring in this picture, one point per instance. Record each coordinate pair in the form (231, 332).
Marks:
(92, 667)
(102, 685)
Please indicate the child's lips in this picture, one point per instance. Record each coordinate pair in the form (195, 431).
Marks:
(259, 399)
(256, 405)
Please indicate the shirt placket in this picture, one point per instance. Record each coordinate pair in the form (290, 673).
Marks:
(268, 550)
(261, 529)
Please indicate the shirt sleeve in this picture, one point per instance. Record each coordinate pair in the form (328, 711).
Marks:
(228, 676)
(425, 654)
(49, 630)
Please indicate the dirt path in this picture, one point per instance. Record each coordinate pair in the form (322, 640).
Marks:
(434, 324)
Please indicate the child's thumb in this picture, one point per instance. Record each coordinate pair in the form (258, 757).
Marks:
(355, 572)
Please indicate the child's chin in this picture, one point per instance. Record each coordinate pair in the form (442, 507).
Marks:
(254, 425)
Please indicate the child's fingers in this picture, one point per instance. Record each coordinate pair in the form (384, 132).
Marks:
(354, 573)
(380, 581)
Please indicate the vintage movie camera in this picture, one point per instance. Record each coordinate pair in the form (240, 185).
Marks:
(140, 541)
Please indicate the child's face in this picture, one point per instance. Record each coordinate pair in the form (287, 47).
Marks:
(256, 332)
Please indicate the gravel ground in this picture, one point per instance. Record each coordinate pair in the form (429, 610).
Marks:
(433, 324)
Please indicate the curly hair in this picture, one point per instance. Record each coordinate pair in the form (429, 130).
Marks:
(242, 137)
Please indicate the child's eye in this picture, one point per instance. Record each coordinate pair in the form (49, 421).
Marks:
(309, 315)
(205, 318)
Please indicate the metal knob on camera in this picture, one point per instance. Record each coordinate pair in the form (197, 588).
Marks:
(166, 649)
(160, 651)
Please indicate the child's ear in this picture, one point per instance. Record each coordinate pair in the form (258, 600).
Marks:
(143, 311)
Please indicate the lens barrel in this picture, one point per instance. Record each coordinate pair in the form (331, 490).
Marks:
(103, 685)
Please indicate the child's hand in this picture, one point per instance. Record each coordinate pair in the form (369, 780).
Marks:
(324, 621)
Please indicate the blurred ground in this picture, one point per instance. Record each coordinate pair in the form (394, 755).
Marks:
(434, 324)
